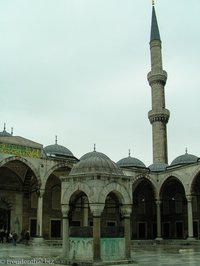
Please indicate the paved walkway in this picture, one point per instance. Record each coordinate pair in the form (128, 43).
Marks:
(154, 255)
(167, 255)
(28, 255)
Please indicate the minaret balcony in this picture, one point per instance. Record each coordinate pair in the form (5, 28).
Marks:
(159, 116)
(155, 76)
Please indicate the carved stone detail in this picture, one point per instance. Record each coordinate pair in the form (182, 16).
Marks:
(162, 116)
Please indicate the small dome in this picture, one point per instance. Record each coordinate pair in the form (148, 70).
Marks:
(130, 162)
(157, 167)
(4, 133)
(184, 159)
(95, 163)
(57, 150)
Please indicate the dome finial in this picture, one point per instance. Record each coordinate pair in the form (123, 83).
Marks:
(56, 139)
(129, 153)
(4, 126)
(186, 150)
(11, 131)
(94, 147)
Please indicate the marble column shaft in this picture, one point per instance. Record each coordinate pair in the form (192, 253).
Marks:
(40, 212)
(158, 216)
(127, 231)
(65, 240)
(190, 217)
(96, 238)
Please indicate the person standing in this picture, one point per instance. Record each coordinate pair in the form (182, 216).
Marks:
(27, 237)
(2, 234)
(14, 238)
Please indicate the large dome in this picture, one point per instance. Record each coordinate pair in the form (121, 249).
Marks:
(95, 163)
(130, 162)
(184, 159)
(57, 150)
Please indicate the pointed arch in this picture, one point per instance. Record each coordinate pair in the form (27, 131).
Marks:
(54, 168)
(168, 179)
(117, 189)
(151, 182)
(193, 180)
(23, 160)
(75, 188)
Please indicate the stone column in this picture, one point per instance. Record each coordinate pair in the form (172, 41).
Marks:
(158, 216)
(190, 218)
(97, 236)
(96, 210)
(126, 212)
(65, 240)
(40, 212)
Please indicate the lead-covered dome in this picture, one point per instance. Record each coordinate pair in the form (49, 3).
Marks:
(57, 150)
(4, 133)
(184, 159)
(130, 162)
(95, 163)
(158, 167)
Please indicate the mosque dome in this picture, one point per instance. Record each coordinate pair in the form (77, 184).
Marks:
(57, 150)
(158, 167)
(130, 162)
(4, 133)
(184, 159)
(95, 163)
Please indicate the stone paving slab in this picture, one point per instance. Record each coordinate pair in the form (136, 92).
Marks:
(167, 255)
(155, 255)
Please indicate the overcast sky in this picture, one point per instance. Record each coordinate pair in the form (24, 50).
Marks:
(77, 69)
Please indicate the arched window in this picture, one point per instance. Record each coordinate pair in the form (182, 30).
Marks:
(55, 198)
(178, 203)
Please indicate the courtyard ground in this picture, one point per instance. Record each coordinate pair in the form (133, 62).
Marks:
(143, 255)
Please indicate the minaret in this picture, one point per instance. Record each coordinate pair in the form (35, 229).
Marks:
(157, 77)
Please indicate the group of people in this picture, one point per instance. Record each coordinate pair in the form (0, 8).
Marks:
(4, 234)
(13, 237)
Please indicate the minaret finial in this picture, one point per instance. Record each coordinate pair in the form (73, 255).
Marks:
(11, 130)
(56, 140)
(153, 3)
(94, 147)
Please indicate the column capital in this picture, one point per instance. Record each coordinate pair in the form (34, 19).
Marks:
(40, 192)
(189, 198)
(65, 209)
(96, 209)
(158, 201)
(126, 210)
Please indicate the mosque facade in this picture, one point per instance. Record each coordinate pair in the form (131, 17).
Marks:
(54, 195)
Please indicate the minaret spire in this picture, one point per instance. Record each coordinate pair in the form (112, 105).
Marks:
(155, 35)
(157, 78)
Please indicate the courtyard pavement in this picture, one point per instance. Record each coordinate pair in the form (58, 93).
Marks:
(143, 255)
